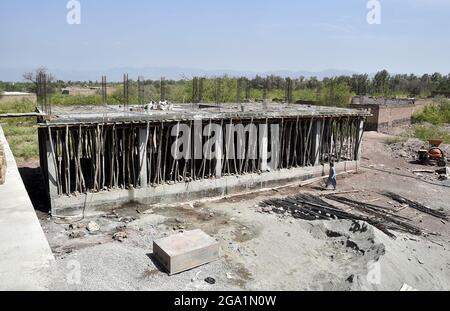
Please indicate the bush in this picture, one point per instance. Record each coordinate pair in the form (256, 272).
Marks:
(21, 106)
(23, 141)
(436, 114)
(426, 132)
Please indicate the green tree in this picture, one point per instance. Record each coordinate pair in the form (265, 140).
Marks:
(335, 93)
(380, 82)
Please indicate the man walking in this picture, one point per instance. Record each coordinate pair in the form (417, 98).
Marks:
(332, 177)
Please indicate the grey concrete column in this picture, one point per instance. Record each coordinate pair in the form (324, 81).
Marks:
(219, 150)
(219, 158)
(331, 146)
(264, 146)
(142, 141)
(360, 138)
(316, 145)
(275, 147)
(52, 172)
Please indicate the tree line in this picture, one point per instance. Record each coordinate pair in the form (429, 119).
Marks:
(336, 91)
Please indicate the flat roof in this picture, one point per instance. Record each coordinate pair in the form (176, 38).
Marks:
(62, 115)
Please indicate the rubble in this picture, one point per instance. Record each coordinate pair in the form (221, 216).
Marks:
(311, 207)
(120, 236)
(409, 148)
(210, 280)
(93, 227)
(77, 234)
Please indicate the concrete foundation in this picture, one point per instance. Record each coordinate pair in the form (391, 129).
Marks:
(182, 192)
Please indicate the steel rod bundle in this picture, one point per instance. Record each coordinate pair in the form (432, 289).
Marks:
(415, 205)
(312, 207)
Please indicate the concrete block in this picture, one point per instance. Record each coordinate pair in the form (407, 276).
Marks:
(185, 251)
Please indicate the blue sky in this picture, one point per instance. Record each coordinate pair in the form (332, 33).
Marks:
(262, 35)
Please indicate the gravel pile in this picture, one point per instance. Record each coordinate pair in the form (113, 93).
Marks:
(409, 149)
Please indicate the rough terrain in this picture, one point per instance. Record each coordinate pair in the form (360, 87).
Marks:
(267, 251)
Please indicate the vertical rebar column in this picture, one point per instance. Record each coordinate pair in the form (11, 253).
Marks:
(163, 89)
(141, 90)
(289, 88)
(126, 84)
(195, 95)
(104, 91)
(41, 92)
(239, 90)
(200, 89)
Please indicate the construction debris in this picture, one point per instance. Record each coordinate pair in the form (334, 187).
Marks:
(210, 280)
(415, 205)
(93, 227)
(77, 234)
(312, 207)
(120, 236)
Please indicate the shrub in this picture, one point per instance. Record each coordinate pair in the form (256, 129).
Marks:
(435, 114)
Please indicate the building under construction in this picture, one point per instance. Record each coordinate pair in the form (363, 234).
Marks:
(95, 155)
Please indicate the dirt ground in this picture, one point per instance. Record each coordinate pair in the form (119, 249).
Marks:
(267, 251)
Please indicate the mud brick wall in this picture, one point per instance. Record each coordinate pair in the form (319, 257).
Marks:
(394, 113)
(391, 116)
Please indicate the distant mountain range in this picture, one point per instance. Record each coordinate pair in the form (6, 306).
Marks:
(153, 73)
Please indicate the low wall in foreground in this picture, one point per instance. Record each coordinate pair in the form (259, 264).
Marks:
(26, 255)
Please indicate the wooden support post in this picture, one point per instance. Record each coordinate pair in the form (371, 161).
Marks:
(143, 139)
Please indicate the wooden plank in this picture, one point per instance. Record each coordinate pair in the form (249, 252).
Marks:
(185, 251)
